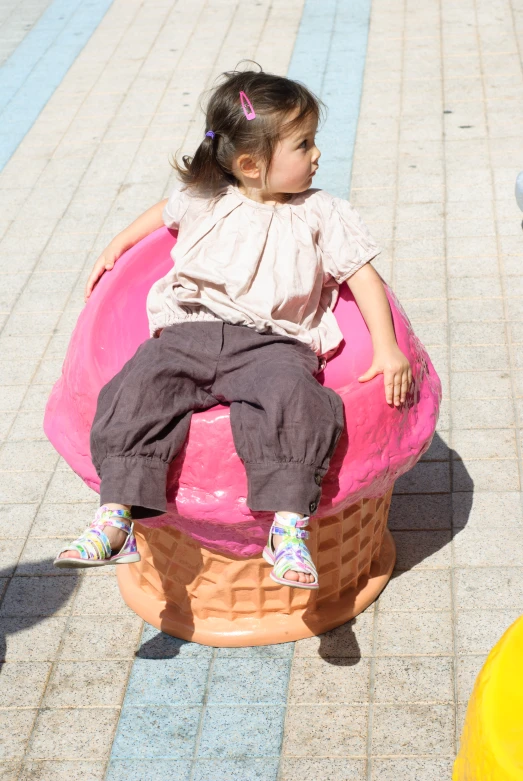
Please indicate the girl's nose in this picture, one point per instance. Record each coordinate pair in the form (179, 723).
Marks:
(316, 154)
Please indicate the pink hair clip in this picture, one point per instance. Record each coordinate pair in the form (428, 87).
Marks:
(247, 106)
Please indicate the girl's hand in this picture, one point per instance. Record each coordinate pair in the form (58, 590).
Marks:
(104, 263)
(397, 374)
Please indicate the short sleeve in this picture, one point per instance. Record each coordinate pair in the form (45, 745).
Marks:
(344, 239)
(175, 208)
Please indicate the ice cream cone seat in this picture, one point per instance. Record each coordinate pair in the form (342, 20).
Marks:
(202, 576)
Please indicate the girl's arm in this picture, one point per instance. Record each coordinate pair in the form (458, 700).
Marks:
(148, 222)
(368, 290)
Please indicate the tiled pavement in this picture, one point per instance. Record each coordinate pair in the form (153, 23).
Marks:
(433, 171)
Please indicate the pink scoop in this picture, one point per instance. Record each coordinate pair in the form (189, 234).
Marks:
(207, 485)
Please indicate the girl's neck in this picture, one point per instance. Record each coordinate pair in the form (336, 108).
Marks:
(262, 196)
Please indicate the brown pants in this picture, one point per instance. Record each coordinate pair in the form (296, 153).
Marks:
(285, 424)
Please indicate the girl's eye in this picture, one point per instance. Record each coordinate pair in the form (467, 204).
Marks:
(303, 144)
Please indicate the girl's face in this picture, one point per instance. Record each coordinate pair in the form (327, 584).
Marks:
(295, 160)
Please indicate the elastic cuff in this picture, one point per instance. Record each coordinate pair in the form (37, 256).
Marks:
(284, 485)
(135, 480)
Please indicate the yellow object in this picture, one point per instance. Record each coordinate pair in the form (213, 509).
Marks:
(492, 740)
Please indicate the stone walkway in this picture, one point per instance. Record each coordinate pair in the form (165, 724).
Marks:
(435, 160)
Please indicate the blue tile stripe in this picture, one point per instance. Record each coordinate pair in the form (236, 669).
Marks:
(31, 74)
(329, 57)
(201, 714)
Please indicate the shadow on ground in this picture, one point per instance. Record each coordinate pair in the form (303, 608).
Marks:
(34, 592)
(424, 517)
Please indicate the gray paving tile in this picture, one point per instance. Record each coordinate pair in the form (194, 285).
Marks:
(224, 734)
(478, 631)
(414, 679)
(483, 414)
(411, 769)
(413, 634)
(27, 426)
(62, 771)
(325, 731)
(86, 684)
(421, 511)
(242, 681)
(176, 681)
(90, 592)
(498, 588)
(161, 732)
(476, 310)
(63, 520)
(351, 640)
(30, 638)
(488, 547)
(38, 596)
(413, 729)
(11, 397)
(10, 551)
(28, 456)
(417, 590)
(425, 478)
(236, 770)
(15, 728)
(488, 509)
(333, 680)
(310, 769)
(145, 770)
(89, 730)
(68, 487)
(9, 771)
(422, 549)
(480, 385)
(22, 684)
(487, 443)
(23, 486)
(93, 638)
(479, 358)
(487, 474)
(468, 669)
(37, 559)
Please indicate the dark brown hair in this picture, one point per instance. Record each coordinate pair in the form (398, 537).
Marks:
(274, 99)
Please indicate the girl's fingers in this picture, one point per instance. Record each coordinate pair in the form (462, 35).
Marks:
(389, 387)
(369, 374)
(397, 390)
(96, 273)
(405, 384)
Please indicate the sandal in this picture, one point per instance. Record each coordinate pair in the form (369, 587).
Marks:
(94, 546)
(292, 553)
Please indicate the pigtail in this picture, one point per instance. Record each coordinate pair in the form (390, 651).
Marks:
(203, 170)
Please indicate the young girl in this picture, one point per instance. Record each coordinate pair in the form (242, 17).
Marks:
(245, 317)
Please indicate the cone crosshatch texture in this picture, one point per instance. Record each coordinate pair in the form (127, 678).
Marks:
(216, 599)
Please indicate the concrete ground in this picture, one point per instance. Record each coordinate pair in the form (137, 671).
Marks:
(434, 160)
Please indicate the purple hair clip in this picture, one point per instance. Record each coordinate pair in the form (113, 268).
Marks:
(210, 134)
(247, 106)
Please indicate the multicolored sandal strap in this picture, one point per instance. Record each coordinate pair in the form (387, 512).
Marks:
(120, 519)
(93, 543)
(290, 531)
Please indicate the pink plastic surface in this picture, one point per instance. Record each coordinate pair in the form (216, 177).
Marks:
(207, 484)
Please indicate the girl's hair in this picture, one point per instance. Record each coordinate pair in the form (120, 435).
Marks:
(273, 98)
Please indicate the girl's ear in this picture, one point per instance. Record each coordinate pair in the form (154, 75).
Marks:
(248, 166)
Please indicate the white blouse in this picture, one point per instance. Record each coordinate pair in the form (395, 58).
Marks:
(272, 268)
